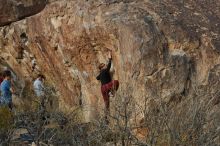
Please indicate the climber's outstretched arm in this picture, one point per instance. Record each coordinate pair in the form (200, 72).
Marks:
(110, 61)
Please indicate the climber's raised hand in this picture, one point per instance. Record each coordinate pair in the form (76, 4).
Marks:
(110, 54)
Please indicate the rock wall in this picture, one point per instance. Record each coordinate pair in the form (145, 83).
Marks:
(164, 48)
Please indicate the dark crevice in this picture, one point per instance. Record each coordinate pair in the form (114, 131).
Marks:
(188, 81)
(24, 37)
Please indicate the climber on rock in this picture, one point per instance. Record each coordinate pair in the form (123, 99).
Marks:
(7, 89)
(109, 86)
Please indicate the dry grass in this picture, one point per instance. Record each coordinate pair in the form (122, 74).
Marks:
(190, 122)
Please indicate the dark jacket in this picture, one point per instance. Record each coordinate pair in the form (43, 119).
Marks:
(104, 75)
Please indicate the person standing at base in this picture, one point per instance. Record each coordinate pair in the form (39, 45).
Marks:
(39, 85)
(40, 90)
(108, 86)
(6, 89)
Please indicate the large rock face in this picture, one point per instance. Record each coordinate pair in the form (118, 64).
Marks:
(164, 48)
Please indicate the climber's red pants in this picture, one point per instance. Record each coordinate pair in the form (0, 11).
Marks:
(106, 88)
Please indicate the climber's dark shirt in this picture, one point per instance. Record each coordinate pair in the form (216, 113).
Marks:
(104, 75)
